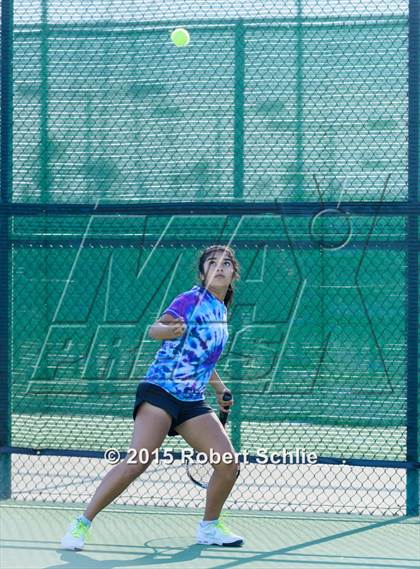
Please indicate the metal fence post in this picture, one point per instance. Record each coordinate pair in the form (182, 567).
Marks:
(412, 498)
(6, 190)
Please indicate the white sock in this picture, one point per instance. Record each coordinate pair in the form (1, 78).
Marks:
(206, 523)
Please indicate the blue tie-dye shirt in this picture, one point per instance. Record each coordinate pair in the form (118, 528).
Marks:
(183, 366)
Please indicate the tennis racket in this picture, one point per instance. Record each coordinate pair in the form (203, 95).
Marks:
(200, 472)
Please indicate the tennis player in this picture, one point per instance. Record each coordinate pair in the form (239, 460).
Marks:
(170, 400)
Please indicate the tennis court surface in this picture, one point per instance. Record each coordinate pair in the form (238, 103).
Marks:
(150, 537)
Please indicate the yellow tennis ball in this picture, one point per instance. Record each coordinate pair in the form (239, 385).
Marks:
(180, 37)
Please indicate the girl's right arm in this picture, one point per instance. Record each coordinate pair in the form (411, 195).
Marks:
(167, 328)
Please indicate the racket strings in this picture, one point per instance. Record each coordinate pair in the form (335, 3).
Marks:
(200, 472)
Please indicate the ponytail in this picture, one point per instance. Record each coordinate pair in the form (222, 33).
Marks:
(229, 296)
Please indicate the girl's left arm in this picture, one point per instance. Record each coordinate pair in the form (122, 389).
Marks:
(219, 387)
(217, 384)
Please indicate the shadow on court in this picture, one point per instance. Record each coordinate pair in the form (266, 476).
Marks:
(224, 558)
(147, 538)
(187, 555)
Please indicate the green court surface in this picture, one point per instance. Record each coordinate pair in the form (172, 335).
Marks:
(154, 537)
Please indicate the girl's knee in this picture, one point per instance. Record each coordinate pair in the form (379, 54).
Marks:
(131, 471)
(229, 471)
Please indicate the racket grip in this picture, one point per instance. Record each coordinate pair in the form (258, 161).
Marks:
(223, 415)
(227, 396)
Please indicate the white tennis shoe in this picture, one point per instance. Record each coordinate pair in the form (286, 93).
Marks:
(217, 533)
(76, 535)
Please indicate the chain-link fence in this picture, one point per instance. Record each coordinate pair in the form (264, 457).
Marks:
(284, 129)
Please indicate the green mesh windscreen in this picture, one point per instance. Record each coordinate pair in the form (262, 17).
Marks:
(112, 110)
(316, 335)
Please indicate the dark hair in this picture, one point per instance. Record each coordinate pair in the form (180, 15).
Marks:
(231, 254)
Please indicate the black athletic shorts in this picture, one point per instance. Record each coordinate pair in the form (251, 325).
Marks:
(180, 411)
